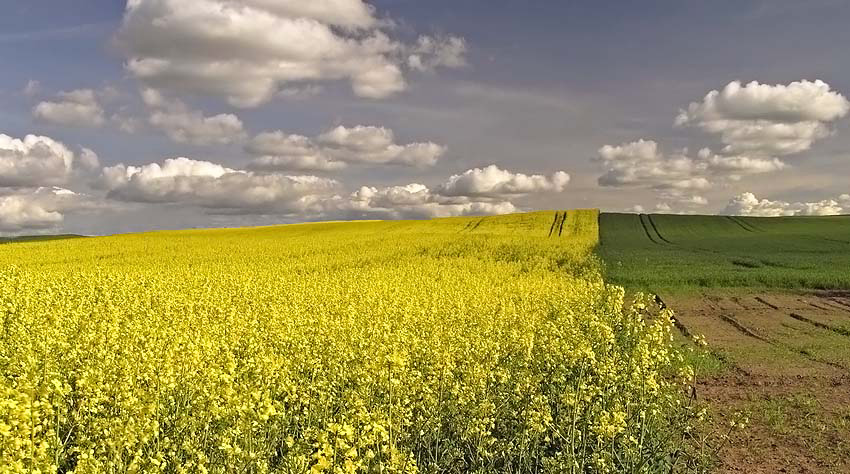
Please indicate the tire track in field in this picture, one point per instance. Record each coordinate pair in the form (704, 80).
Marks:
(646, 229)
(746, 224)
(683, 329)
(766, 303)
(833, 305)
(813, 305)
(739, 224)
(742, 329)
(655, 228)
(476, 225)
(835, 240)
(800, 317)
(828, 327)
(561, 229)
(555, 222)
(844, 305)
(750, 333)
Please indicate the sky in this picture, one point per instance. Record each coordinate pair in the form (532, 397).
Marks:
(164, 114)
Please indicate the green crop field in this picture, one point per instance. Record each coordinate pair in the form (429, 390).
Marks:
(664, 252)
(762, 307)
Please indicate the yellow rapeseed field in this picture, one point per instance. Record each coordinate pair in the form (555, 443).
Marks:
(452, 345)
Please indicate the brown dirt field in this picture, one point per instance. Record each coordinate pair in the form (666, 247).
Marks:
(787, 368)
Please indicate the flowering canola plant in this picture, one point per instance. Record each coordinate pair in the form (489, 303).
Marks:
(451, 345)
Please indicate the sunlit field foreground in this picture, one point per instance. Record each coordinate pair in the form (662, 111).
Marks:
(452, 345)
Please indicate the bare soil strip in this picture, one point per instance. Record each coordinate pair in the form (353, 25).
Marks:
(788, 361)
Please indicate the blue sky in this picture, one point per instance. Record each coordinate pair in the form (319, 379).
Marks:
(501, 98)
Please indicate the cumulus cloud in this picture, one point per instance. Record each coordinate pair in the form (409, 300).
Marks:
(747, 204)
(311, 162)
(740, 164)
(248, 51)
(223, 190)
(187, 126)
(676, 176)
(480, 191)
(88, 160)
(79, 108)
(335, 149)
(214, 187)
(279, 151)
(767, 120)
(376, 145)
(413, 201)
(641, 164)
(39, 209)
(492, 181)
(21, 212)
(36, 161)
(432, 52)
(184, 125)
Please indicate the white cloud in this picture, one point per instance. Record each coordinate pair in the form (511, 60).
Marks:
(223, 190)
(741, 164)
(694, 201)
(34, 161)
(215, 187)
(344, 13)
(184, 125)
(802, 101)
(193, 127)
(88, 160)
(38, 209)
(376, 145)
(279, 151)
(19, 212)
(126, 123)
(32, 88)
(79, 108)
(413, 201)
(248, 51)
(475, 192)
(767, 120)
(492, 181)
(432, 52)
(642, 164)
(335, 149)
(747, 204)
(295, 163)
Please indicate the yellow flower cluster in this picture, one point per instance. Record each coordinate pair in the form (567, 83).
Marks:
(453, 345)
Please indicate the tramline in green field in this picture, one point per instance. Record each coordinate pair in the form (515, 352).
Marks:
(662, 252)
